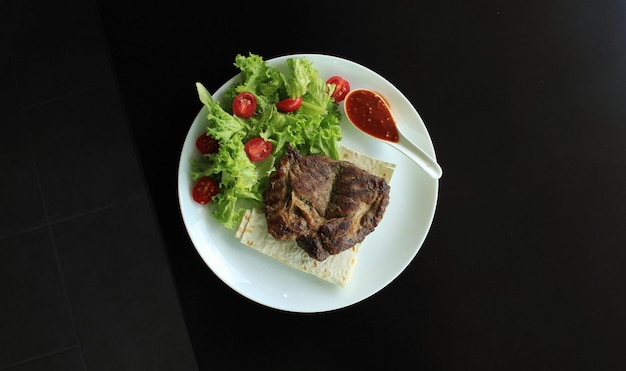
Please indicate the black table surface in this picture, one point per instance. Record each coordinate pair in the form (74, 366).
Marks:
(523, 267)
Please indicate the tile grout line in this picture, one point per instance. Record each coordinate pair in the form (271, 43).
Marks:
(67, 95)
(78, 215)
(49, 226)
(43, 356)
(68, 302)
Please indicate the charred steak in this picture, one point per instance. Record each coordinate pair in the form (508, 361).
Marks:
(325, 205)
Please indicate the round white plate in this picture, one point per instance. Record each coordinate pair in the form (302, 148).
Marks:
(384, 254)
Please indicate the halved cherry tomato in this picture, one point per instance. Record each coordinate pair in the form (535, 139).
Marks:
(289, 104)
(244, 105)
(204, 190)
(258, 149)
(342, 87)
(207, 144)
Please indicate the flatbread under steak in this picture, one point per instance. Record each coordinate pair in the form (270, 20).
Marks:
(335, 268)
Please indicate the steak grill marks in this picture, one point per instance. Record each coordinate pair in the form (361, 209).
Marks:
(325, 205)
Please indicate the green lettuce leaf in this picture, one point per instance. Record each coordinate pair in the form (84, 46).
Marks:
(313, 128)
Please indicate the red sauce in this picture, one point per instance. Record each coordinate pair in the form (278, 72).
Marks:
(369, 111)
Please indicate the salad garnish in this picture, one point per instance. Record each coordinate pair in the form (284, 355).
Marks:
(257, 116)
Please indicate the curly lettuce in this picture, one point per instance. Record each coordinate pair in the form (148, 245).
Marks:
(313, 128)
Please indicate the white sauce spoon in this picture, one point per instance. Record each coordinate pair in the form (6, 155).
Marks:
(368, 111)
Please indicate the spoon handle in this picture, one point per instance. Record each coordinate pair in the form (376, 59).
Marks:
(421, 158)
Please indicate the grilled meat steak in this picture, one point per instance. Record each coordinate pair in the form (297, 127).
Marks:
(325, 205)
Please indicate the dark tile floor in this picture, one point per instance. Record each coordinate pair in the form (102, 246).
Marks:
(84, 278)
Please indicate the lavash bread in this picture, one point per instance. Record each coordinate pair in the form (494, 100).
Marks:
(336, 269)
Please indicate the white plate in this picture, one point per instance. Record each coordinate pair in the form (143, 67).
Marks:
(384, 254)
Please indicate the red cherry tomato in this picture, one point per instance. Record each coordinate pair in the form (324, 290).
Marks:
(207, 144)
(258, 149)
(342, 87)
(244, 105)
(289, 104)
(204, 190)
